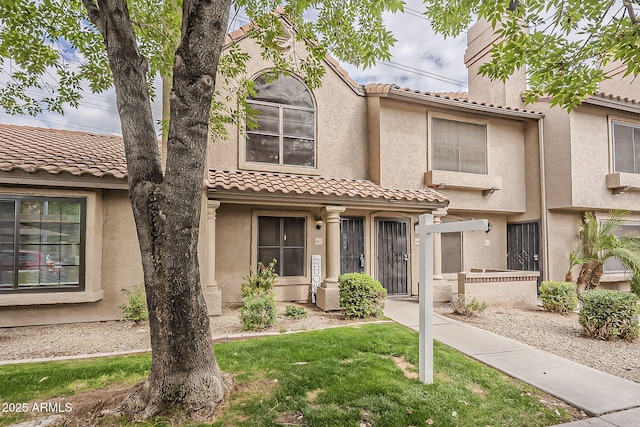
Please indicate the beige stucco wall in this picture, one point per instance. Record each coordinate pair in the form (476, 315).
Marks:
(403, 144)
(236, 250)
(341, 127)
(618, 84)
(563, 237)
(112, 262)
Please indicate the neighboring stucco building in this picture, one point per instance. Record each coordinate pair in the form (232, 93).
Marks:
(333, 180)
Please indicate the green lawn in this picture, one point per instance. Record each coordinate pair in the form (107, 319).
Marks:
(334, 377)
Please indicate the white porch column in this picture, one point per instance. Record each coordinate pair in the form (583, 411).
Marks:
(437, 246)
(328, 294)
(442, 291)
(212, 293)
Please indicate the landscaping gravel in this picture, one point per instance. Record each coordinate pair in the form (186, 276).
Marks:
(560, 335)
(34, 342)
(547, 331)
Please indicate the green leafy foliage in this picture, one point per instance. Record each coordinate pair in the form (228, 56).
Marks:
(259, 310)
(295, 312)
(565, 44)
(469, 309)
(135, 308)
(361, 296)
(559, 297)
(609, 315)
(600, 242)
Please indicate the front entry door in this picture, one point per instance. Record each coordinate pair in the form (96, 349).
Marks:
(523, 246)
(393, 255)
(351, 245)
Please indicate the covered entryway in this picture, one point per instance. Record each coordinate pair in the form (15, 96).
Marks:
(523, 246)
(393, 255)
(351, 245)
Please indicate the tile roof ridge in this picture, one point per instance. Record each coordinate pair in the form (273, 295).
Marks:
(67, 131)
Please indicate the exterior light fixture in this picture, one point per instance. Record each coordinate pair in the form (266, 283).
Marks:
(319, 223)
(490, 191)
(621, 190)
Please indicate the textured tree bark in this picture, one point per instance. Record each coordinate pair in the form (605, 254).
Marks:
(166, 206)
(590, 275)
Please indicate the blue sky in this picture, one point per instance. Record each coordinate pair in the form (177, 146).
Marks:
(420, 60)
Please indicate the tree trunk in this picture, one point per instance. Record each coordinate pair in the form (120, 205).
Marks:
(166, 207)
(589, 277)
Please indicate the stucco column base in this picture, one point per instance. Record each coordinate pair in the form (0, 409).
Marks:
(328, 297)
(442, 291)
(213, 299)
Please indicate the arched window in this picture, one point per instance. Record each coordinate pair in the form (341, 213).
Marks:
(286, 123)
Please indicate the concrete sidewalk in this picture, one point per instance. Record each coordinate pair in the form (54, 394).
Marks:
(612, 401)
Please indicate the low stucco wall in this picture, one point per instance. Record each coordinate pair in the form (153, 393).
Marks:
(500, 287)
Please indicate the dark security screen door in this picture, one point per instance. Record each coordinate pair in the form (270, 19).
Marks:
(393, 256)
(351, 245)
(523, 246)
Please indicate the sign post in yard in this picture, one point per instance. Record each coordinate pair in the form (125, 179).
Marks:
(426, 228)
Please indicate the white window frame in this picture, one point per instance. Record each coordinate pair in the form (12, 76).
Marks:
(618, 121)
(281, 166)
(431, 117)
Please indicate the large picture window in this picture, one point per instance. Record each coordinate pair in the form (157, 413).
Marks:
(285, 116)
(626, 148)
(41, 244)
(283, 239)
(459, 146)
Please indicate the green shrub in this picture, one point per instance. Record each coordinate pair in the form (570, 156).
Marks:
(635, 283)
(259, 308)
(361, 296)
(295, 312)
(136, 307)
(559, 297)
(258, 312)
(609, 315)
(461, 308)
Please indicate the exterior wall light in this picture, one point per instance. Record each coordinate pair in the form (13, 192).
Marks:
(487, 193)
(319, 223)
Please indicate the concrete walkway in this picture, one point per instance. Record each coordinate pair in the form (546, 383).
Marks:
(612, 401)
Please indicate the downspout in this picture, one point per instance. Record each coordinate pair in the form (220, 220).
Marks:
(543, 203)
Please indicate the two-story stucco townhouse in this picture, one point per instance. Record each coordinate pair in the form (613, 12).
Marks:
(333, 180)
(589, 158)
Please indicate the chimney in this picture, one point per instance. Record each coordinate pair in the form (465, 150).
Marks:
(480, 39)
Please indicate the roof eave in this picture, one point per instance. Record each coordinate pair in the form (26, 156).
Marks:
(416, 96)
(45, 179)
(279, 198)
(613, 104)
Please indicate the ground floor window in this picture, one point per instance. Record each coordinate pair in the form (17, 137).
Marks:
(451, 245)
(613, 265)
(41, 244)
(283, 239)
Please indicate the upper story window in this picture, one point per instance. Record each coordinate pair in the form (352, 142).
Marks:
(626, 148)
(458, 146)
(285, 134)
(41, 244)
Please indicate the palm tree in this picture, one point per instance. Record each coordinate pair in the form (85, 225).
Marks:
(599, 243)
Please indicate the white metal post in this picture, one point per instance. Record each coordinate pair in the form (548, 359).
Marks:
(426, 228)
(425, 295)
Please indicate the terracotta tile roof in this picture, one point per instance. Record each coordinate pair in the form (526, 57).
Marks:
(616, 98)
(79, 153)
(315, 186)
(459, 97)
